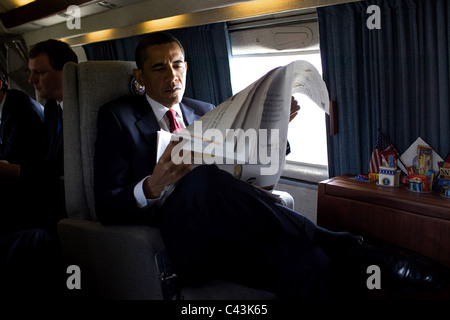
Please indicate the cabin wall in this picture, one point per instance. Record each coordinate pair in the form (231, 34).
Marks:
(301, 181)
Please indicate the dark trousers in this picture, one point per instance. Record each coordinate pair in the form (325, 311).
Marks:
(217, 227)
(29, 266)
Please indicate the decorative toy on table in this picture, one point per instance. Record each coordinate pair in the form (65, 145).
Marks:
(389, 177)
(383, 163)
(421, 176)
(423, 169)
(444, 178)
(421, 183)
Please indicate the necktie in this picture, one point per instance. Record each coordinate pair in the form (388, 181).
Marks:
(174, 125)
(59, 117)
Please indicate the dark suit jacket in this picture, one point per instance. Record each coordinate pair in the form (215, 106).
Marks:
(54, 154)
(125, 153)
(46, 203)
(21, 128)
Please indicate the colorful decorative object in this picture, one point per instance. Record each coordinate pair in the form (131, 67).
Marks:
(389, 177)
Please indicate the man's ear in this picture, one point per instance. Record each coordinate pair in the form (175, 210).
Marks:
(137, 74)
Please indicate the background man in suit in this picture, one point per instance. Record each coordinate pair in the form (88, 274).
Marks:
(21, 128)
(27, 265)
(46, 62)
(213, 225)
(30, 260)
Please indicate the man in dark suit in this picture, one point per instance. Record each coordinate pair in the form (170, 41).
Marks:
(213, 225)
(130, 186)
(21, 128)
(30, 259)
(46, 62)
(134, 115)
(27, 264)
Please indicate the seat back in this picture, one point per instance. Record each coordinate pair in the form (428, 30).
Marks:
(117, 262)
(87, 86)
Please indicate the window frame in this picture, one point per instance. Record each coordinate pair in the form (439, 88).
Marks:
(294, 172)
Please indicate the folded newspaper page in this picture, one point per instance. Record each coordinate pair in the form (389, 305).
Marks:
(246, 135)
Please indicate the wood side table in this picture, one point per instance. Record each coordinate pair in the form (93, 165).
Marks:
(394, 215)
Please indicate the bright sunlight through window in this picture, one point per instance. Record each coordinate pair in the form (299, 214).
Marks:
(307, 132)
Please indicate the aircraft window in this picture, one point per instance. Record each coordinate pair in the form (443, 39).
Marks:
(307, 132)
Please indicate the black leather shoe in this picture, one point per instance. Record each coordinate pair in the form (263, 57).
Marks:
(401, 268)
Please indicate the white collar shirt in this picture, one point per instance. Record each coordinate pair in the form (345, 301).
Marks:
(160, 111)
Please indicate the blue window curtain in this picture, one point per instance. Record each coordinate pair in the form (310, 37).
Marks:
(207, 54)
(395, 78)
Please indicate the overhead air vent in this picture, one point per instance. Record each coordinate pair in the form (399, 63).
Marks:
(287, 34)
(35, 10)
(285, 38)
(64, 15)
(303, 37)
(107, 4)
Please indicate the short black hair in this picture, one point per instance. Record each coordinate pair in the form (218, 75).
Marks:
(58, 52)
(151, 39)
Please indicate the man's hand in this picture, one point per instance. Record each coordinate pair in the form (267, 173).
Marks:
(165, 173)
(295, 107)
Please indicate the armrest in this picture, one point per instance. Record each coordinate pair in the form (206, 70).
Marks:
(116, 262)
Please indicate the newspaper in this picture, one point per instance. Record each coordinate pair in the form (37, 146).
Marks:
(246, 135)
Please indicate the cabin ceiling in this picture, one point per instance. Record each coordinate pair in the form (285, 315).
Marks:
(101, 20)
(25, 15)
(22, 16)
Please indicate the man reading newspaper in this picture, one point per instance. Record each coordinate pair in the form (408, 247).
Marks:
(214, 226)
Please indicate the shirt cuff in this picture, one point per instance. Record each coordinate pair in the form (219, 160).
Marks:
(139, 195)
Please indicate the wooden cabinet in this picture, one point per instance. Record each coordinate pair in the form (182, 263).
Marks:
(416, 221)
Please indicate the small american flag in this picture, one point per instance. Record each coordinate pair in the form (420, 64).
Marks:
(382, 144)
